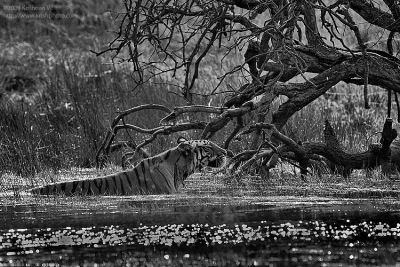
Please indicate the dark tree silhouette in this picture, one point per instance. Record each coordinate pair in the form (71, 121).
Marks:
(280, 40)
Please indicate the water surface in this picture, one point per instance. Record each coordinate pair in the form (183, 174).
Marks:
(201, 231)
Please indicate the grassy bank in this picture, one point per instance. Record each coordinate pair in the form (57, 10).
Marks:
(58, 98)
(200, 187)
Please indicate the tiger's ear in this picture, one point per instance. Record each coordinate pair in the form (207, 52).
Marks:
(185, 148)
(181, 139)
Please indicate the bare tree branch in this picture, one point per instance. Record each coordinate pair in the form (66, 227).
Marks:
(278, 44)
(375, 15)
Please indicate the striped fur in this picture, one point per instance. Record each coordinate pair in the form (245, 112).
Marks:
(161, 174)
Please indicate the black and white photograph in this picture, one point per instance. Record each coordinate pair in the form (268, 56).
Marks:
(199, 133)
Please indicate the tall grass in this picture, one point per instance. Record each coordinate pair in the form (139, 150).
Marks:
(66, 124)
(26, 145)
(355, 126)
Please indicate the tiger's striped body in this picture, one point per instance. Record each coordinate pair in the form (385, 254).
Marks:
(161, 174)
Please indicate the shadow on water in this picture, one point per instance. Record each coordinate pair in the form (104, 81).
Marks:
(201, 231)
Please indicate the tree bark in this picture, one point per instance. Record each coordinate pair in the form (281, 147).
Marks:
(387, 153)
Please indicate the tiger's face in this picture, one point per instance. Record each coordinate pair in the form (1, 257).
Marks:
(204, 153)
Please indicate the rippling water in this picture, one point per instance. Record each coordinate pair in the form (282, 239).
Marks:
(201, 231)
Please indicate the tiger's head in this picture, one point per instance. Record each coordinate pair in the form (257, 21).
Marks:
(203, 153)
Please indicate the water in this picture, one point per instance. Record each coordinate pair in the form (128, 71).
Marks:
(201, 231)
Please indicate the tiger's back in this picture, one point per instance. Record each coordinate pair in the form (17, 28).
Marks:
(161, 174)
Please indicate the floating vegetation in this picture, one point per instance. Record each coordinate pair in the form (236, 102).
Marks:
(262, 243)
(179, 235)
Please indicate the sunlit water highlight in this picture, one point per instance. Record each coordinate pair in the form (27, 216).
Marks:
(164, 232)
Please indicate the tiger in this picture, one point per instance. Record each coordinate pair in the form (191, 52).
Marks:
(164, 173)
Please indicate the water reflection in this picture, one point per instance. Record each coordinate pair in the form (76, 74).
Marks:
(210, 233)
(241, 255)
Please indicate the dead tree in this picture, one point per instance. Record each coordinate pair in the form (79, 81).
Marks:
(385, 153)
(279, 39)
